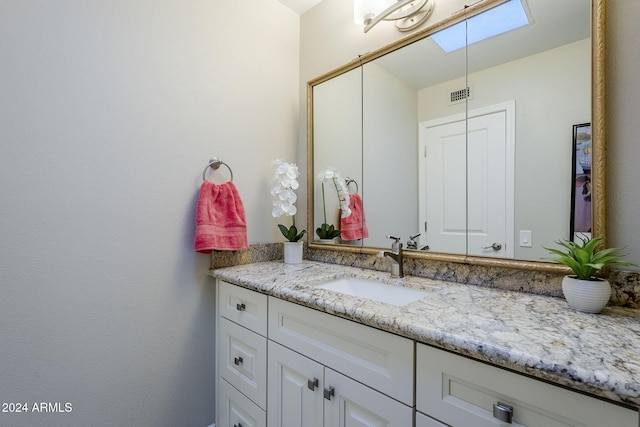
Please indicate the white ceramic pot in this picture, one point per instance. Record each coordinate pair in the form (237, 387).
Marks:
(293, 252)
(589, 296)
(327, 241)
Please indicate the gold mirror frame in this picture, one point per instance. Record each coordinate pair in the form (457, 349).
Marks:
(598, 135)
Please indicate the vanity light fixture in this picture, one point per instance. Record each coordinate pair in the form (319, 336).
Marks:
(498, 20)
(408, 14)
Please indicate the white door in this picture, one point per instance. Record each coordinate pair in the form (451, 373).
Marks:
(466, 177)
(295, 389)
(350, 404)
(443, 192)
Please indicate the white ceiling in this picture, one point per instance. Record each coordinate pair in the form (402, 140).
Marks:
(299, 6)
(555, 23)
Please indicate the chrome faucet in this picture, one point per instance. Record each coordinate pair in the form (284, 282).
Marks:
(395, 255)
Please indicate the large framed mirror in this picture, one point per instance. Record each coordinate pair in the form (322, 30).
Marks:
(462, 144)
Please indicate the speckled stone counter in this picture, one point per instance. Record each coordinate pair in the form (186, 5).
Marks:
(532, 334)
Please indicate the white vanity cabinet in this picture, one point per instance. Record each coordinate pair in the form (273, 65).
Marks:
(459, 392)
(322, 370)
(280, 364)
(241, 357)
(305, 393)
(379, 359)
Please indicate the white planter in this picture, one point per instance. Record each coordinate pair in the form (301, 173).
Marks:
(589, 296)
(327, 241)
(293, 252)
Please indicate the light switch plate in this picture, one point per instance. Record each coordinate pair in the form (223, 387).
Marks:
(525, 239)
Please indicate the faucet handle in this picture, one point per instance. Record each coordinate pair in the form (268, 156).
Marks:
(411, 243)
(395, 246)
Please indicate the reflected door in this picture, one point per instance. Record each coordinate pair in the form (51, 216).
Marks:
(443, 193)
(468, 212)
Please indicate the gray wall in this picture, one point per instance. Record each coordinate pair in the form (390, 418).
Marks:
(109, 112)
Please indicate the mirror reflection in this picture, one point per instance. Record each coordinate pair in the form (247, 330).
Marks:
(466, 147)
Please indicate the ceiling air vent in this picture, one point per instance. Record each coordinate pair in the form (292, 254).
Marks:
(460, 95)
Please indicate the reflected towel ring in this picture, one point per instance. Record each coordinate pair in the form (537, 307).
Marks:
(351, 180)
(215, 163)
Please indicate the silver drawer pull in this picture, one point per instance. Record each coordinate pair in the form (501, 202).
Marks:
(312, 384)
(241, 307)
(329, 392)
(237, 360)
(503, 412)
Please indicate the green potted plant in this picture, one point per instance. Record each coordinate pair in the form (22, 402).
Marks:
(584, 291)
(283, 186)
(328, 232)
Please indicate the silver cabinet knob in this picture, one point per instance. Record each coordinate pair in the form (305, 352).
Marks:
(237, 361)
(495, 246)
(329, 392)
(312, 384)
(241, 307)
(503, 412)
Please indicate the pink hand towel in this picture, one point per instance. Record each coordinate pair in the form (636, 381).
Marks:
(220, 219)
(354, 227)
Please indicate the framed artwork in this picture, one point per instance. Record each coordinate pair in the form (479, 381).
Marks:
(581, 181)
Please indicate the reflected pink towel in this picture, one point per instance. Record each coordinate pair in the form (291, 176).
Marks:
(354, 227)
(220, 219)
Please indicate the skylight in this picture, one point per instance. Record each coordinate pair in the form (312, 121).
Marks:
(500, 19)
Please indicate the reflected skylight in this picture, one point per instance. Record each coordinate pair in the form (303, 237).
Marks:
(506, 17)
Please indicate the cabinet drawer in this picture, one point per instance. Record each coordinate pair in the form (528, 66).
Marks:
(236, 410)
(376, 358)
(461, 392)
(242, 361)
(243, 306)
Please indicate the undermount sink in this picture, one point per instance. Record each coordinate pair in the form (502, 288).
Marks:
(374, 290)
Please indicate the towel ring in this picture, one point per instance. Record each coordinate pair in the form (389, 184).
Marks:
(351, 180)
(215, 163)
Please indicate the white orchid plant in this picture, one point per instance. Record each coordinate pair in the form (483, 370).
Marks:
(331, 176)
(283, 186)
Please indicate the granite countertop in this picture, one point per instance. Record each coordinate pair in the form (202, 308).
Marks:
(536, 335)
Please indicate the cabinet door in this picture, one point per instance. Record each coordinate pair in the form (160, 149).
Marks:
(351, 404)
(295, 389)
(236, 410)
(424, 421)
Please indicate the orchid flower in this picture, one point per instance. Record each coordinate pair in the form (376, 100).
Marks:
(283, 186)
(330, 175)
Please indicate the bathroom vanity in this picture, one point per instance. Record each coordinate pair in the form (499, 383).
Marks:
(291, 352)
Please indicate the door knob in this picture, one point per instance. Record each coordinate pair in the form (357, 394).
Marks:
(312, 384)
(495, 246)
